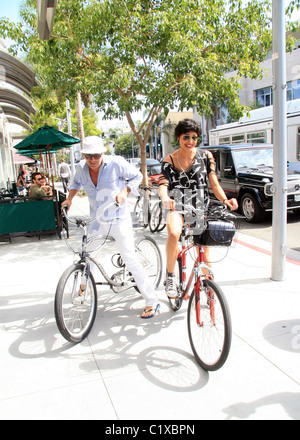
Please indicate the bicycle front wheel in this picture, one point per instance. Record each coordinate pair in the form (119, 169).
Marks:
(209, 326)
(149, 256)
(75, 314)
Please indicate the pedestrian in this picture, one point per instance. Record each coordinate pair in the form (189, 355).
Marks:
(184, 181)
(64, 172)
(112, 178)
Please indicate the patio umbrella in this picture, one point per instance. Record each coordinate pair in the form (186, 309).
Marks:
(45, 140)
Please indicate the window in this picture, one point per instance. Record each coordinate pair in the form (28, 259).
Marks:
(264, 97)
(225, 140)
(293, 90)
(259, 137)
(238, 139)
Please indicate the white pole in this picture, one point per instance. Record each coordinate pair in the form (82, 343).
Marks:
(280, 143)
(70, 133)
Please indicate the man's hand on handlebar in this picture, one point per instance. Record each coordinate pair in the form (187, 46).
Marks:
(66, 204)
(122, 196)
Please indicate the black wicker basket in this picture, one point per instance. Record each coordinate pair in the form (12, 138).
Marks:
(217, 233)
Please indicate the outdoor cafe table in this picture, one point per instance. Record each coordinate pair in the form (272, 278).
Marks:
(24, 216)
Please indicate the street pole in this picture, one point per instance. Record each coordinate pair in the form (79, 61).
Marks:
(70, 133)
(280, 143)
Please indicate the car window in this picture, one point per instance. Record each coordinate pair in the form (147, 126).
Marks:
(253, 158)
(154, 170)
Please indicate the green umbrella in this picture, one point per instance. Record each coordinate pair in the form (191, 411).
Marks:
(45, 139)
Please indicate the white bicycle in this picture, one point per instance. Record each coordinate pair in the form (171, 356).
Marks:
(75, 310)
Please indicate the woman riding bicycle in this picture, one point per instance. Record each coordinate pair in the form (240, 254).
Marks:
(184, 182)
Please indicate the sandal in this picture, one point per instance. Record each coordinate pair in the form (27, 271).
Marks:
(81, 291)
(150, 312)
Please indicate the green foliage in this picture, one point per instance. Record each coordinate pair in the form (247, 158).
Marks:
(124, 145)
(134, 54)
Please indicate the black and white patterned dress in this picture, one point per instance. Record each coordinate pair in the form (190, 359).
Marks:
(190, 187)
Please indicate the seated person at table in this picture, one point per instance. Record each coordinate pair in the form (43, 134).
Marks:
(46, 187)
(36, 191)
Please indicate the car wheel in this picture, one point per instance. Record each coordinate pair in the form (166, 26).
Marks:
(251, 209)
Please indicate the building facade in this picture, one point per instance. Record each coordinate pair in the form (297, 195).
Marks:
(16, 109)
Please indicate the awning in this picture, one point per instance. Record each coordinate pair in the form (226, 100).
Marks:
(18, 159)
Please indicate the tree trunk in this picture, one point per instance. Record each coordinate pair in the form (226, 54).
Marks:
(79, 117)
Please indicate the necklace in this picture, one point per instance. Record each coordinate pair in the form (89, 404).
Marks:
(183, 172)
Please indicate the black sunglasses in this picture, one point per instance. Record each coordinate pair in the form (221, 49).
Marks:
(186, 137)
(95, 156)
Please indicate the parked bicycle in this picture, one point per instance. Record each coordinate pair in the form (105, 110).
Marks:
(142, 208)
(157, 218)
(75, 313)
(209, 321)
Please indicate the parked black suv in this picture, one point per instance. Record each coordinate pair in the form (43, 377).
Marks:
(246, 173)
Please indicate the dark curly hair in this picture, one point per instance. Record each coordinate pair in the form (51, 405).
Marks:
(187, 125)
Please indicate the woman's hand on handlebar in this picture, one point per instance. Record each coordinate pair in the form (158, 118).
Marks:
(168, 203)
(232, 204)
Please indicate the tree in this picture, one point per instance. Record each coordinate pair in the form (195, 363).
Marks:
(154, 54)
(124, 145)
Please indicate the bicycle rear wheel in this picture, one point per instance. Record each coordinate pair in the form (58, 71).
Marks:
(209, 326)
(149, 256)
(157, 222)
(75, 314)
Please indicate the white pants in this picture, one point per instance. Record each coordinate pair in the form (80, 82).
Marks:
(121, 230)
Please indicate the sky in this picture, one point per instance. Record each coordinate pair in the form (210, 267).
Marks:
(10, 9)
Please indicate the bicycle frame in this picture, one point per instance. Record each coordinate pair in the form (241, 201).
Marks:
(86, 259)
(196, 274)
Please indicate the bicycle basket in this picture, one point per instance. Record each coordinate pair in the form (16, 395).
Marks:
(217, 233)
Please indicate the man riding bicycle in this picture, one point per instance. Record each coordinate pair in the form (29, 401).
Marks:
(107, 178)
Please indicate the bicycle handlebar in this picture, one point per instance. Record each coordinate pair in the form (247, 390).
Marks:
(81, 223)
(211, 213)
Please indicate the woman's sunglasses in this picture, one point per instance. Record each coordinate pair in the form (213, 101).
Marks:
(186, 137)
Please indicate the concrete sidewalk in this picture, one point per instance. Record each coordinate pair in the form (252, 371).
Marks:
(130, 369)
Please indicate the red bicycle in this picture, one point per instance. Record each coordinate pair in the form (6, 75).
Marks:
(209, 320)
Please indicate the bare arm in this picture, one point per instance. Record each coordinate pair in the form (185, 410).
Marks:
(217, 189)
(69, 199)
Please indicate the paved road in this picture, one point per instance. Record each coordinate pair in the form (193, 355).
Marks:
(264, 230)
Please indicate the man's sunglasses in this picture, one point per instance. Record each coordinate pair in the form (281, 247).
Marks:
(95, 156)
(186, 137)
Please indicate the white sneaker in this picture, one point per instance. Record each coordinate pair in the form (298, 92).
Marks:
(171, 288)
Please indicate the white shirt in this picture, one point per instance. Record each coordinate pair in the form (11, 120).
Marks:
(115, 174)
